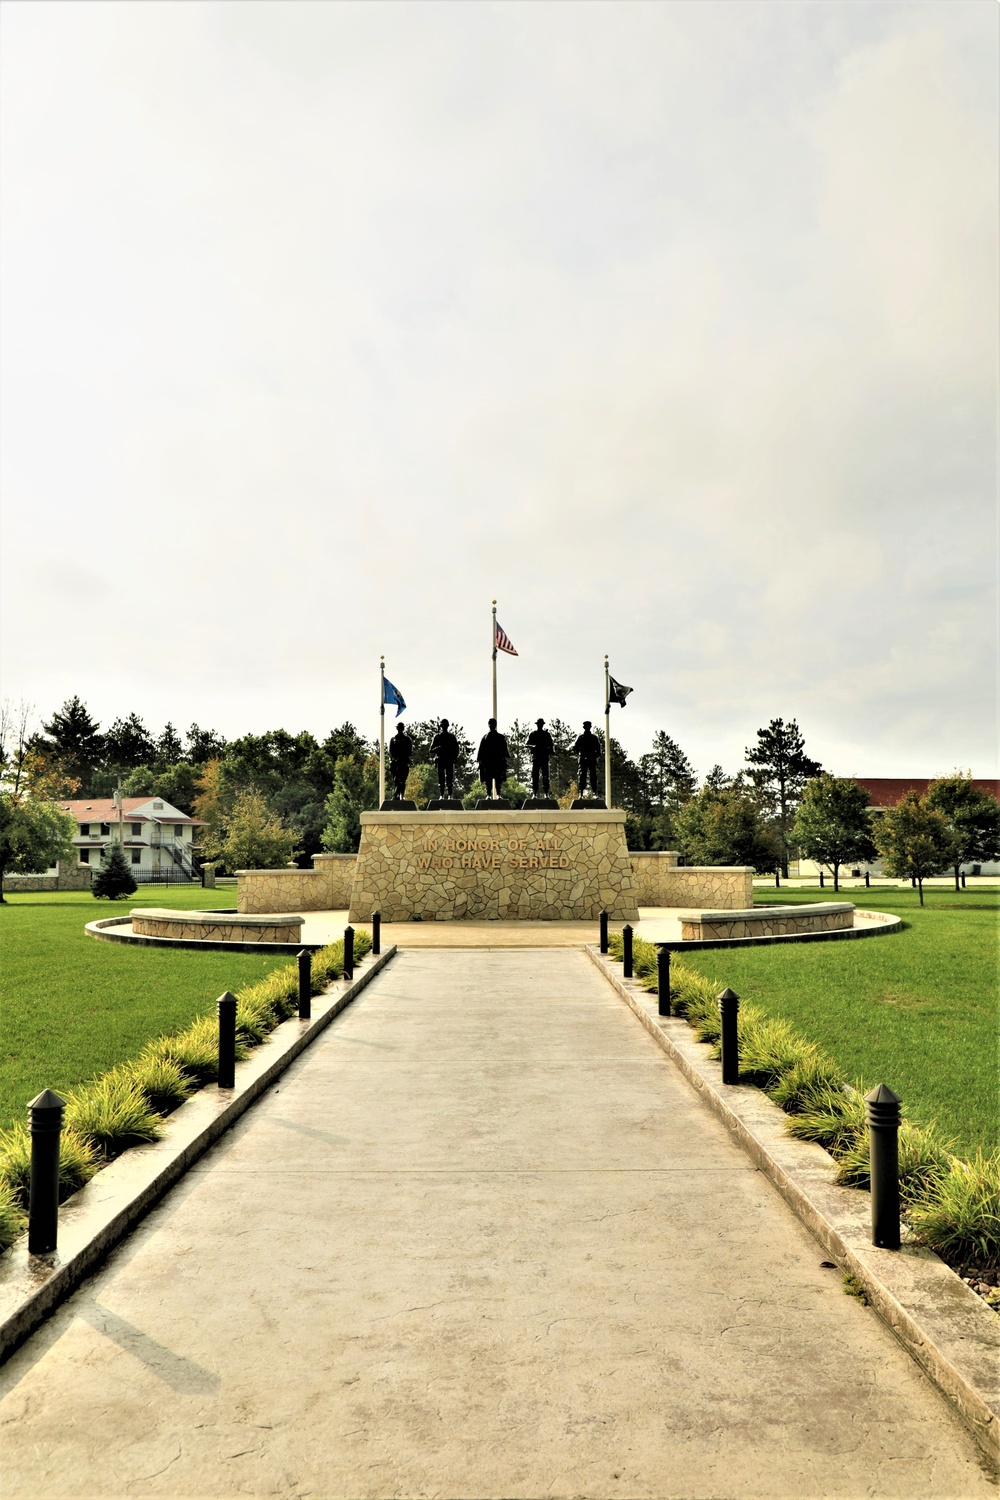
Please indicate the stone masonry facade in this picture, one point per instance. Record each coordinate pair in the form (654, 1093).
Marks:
(768, 921)
(445, 866)
(326, 887)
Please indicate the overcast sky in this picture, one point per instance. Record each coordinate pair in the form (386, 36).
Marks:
(671, 326)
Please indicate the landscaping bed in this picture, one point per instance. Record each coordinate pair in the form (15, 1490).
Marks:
(950, 1203)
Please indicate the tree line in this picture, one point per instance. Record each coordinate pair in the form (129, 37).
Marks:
(269, 798)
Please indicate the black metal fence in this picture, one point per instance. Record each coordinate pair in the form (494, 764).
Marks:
(163, 877)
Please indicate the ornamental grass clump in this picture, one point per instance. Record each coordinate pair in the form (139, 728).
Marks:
(924, 1161)
(112, 1113)
(769, 1048)
(160, 1080)
(809, 1080)
(960, 1219)
(78, 1161)
(13, 1219)
(833, 1117)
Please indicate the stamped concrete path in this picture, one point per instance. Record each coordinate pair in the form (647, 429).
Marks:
(481, 1240)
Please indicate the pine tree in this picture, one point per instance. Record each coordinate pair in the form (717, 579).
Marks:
(780, 768)
(114, 878)
(74, 739)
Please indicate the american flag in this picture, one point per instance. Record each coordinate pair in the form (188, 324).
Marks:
(502, 640)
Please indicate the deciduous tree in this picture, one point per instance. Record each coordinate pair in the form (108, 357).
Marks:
(833, 823)
(915, 841)
(34, 830)
(254, 837)
(973, 818)
(725, 827)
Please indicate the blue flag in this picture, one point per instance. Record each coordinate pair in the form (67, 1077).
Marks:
(392, 694)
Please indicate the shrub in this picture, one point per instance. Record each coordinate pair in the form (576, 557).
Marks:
(112, 1113)
(160, 1081)
(78, 1161)
(960, 1216)
(195, 1051)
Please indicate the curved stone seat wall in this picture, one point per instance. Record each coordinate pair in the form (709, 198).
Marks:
(326, 887)
(218, 927)
(767, 921)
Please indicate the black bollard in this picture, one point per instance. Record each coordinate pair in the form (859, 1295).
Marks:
(963, 880)
(348, 952)
(868, 880)
(227, 1040)
(882, 1112)
(777, 879)
(45, 1121)
(627, 951)
(305, 985)
(376, 933)
(663, 979)
(821, 881)
(604, 932)
(729, 1009)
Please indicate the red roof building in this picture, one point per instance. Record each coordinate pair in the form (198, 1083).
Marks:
(886, 791)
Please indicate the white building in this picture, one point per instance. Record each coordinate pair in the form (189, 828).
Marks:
(157, 839)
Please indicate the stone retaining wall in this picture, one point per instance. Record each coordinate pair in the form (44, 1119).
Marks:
(219, 927)
(326, 887)
(445, 866)
(70, 877)
(660, 881)
(768, 921)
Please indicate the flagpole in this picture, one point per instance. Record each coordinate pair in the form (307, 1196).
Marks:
(607, 732)
(381, 733)
(494, 658)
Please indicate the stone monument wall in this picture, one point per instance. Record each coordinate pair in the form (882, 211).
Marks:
(768, 921)
(445, 866)
(326, 887)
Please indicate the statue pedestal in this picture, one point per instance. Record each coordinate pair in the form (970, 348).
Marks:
(504, 864)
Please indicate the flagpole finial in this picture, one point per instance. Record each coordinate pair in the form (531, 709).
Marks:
(494, 601)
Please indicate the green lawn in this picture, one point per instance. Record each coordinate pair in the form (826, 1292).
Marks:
(917, 1010)
(72, 1006)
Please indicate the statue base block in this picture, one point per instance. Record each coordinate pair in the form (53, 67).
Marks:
(490, 804)
(403, 805)
(529, 864)
(588, 804)
(444, 804)
(534, 804)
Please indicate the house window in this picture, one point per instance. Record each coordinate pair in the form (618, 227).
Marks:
(136, 830)
(157, 806)
(179, 830)
(85, 856)
(136, 856)
(105, 829)
(84, 830)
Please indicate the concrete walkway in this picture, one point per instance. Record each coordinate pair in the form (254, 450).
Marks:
(480, 1240)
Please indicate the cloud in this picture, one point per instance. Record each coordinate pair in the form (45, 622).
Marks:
(672, 327)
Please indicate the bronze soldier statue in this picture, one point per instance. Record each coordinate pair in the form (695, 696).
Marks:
(542, 749)
(588, 748)
(491, 758)
(444, 754)
(400, 754)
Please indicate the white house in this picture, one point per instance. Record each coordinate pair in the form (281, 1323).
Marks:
(157, 838)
